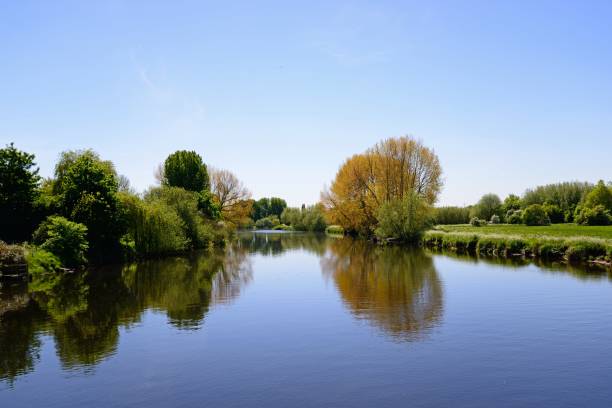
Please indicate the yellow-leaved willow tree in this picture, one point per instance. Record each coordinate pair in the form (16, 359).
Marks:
(393, 169)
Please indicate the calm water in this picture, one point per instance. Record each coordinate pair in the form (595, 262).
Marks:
(288, 320)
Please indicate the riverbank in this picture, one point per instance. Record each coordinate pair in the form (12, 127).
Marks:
(554, 243)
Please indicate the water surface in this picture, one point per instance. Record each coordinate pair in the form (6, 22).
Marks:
(282, 320)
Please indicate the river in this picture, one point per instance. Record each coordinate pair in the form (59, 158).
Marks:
(301, 320)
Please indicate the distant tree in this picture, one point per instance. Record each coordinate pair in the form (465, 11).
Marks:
(554, 213)
(231, 195)
(600, 195)
(597, 215)
(185, 169)
(277, 205)
(565, 195)
(488, 206)
(596, 207)
(261, 209)
(535, 215)
(18, 192)
(304, 219)
(268, 206)
(451, 215)
(511, 203)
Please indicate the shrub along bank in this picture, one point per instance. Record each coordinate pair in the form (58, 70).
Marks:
(574, 249)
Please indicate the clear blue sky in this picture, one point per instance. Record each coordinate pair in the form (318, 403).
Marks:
(510, 94)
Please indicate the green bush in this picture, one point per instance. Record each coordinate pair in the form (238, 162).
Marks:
(41, 261)
(87, 187)
(267, 223)
(404, 220)
(334, 230)
(495, 219)
(600, 195)
(304, 219)
(597, 215)
(64, 239)
(554, 213)
(585, 250)
(535, 215)
(282, 227)
(154, 227)
(514, 217)
(487, 206)
(185, 204)
(476, 222)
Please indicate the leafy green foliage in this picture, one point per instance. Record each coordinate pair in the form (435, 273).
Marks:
(597, 215)
(535, 215)
(64, 239)
(511, 203)
(565, 195)
(554, 213)
(41, 261)
(551, 231)
(185, 204)
(154, 227)
(335, 230)
(267, 223)
(600, 195)
(265, 207)
(403, 219)
(477, 222)
(87, 188)
(514, 217)
(208, 206)
(18, 192)
(483, 242)
(451, 215)
(488, 206)
(495, 219)
(305, 218)
(186, 169)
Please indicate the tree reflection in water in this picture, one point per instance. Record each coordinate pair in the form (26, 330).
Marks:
(84, 312)
(395, 289)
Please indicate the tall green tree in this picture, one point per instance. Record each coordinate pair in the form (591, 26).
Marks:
(277, 205)
(488, 206)
(600, 195)
(18, 192)
(186, 169)
(88, 195)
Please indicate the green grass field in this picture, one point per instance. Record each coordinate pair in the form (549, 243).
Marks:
(553, 231)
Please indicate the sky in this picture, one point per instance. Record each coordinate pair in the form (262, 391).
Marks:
(509, 94)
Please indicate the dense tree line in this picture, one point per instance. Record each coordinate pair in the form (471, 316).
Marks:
(579, 202)
(87, 212)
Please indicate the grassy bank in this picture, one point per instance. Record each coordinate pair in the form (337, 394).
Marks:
(564, 242)
(554, 230)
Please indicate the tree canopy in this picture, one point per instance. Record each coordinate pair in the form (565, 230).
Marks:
(390, 170)
(186, 169)
(18, 191)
